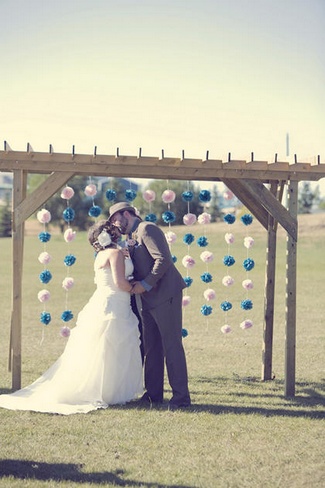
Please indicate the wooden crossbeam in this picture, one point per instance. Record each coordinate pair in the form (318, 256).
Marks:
(274, 207)
(248, 198)
(158, 168)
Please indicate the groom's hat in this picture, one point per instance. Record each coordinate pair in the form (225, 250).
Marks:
(120, 207)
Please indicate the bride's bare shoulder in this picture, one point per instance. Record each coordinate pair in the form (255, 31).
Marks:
(104, 257)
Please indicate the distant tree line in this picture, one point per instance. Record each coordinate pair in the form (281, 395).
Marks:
(308, 199)
(81, 204)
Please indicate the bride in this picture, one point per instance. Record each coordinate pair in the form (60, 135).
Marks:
(101, 364)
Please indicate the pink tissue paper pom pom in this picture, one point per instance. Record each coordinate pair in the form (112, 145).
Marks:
(204, 218)
(90, 190)
(229, 238)
(43, 296)
(248, 242)
(209, 294)
(248, 284)
(225, 329)
(44, 216)
(188, 261)
(149, 196)
(69, 235)
(246, 324)
(186, 300)
(227, 280)
(65, 331)
(168, 196)
(228, 195)
(170, 237)
(44, 257)
(206, 256)
(67, 283)
(67, 193)
(189, 219)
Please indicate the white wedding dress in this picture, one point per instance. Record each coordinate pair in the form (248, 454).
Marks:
(101, 364)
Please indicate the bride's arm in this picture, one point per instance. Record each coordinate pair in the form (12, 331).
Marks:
(117, 264)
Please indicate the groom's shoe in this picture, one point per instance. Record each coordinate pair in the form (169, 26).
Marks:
(178, 406)
(148, 401)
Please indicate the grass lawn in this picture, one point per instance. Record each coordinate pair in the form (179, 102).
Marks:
(239, 432)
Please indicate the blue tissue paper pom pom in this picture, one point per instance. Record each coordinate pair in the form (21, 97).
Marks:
(188, 281)
(187, 196)
(44, 236)
(246, 219)
(67, 315)
(168, 217)
(45, 276)
(68, 214)
(174, 258)
(206, 277)
(45, 318)
(69, 260)
(110, 195)
(202, 241)
(225, 306)
(229, 218)
(206, 309)
(246, 304)
(184, 333)
(130, 195)
(229, 260)
(188, 239)
(94, 211)
(249, 264)
(151, 218)
(204, 196)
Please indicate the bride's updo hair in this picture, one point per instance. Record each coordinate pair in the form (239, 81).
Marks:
(103, 234)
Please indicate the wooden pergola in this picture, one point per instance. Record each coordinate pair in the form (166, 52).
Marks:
(259, 185)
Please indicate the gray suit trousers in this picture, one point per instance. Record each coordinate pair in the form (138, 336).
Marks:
(162, 333)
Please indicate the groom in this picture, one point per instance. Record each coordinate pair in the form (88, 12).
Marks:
(160, 285)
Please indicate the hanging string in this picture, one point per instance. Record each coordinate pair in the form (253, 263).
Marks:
(44, 217)
(130, 194)
(110, 192)
(149, 196)
(227, 280)
(169, 217)
(188, 239)
(206, 256)
(69, 260)
(248, 265)
(91, 191)
(168, 197)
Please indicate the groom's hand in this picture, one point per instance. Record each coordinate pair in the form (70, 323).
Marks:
(138, 288)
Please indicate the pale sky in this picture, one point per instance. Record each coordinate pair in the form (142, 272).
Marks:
(195, 75)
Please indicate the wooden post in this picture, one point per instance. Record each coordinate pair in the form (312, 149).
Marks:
(18, 195)
(267, 348)
(290, 332)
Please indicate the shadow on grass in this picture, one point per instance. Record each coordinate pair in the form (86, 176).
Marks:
(250, 395)
(309, 397)
(246, 396)
(33, 470)
(5, 391)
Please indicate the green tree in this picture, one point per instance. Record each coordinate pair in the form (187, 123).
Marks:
(306, 198)
(5, 219)
(321, 204)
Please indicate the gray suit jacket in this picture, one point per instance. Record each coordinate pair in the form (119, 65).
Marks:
(153, 263)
